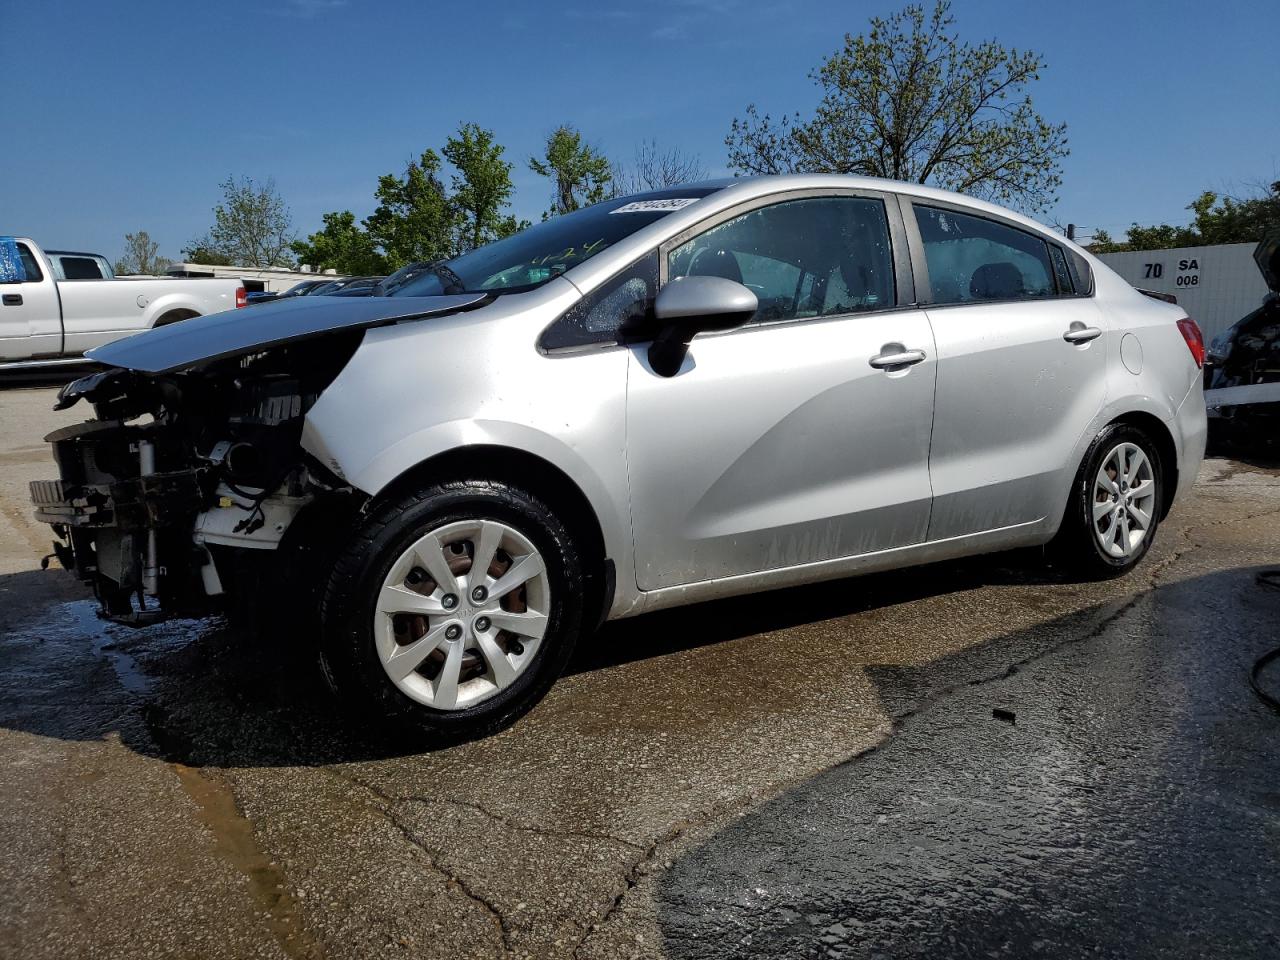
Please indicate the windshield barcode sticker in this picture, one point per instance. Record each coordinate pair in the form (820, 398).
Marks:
(655, 206)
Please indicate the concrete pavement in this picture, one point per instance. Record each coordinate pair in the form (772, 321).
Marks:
(185, 790)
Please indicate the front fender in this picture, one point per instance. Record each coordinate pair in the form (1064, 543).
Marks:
(373, 474)
(414, 391)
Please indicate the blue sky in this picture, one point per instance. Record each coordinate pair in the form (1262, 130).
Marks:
(125, 116)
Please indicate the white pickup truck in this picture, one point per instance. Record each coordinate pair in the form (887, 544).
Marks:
(47, 321)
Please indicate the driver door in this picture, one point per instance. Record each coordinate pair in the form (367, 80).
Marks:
(784, 442)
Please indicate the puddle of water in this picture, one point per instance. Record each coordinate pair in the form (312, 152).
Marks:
(233, 834)
(119, 645)
(77, 624)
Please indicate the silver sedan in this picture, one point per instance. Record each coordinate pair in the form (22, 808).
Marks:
(704, 391)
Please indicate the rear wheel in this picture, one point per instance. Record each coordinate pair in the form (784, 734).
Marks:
(1115, 505)
(454, 609)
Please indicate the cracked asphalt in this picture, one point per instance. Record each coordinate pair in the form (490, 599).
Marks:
(815, 772)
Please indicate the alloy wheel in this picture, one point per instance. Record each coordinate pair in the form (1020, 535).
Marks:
(1124, 500)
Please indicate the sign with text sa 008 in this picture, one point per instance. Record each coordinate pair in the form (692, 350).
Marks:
(1187, 275)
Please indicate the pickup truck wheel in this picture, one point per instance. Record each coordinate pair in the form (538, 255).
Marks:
(454, 609)
(1114, 510)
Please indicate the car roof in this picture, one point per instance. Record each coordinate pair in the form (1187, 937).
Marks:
(762, 184)
(728, 192)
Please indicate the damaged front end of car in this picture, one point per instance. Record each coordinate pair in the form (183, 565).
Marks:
(1242, 367)
(193, 469)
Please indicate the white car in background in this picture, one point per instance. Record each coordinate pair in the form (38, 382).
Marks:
(701, 392)
(56, 305)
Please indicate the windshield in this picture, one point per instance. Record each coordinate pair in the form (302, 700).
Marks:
(535, 255)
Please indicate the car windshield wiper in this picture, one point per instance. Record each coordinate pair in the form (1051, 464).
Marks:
(453, 282)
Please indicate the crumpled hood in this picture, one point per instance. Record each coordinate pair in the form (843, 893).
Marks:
(251, 329)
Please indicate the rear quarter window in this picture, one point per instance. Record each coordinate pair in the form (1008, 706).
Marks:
(1061, 273)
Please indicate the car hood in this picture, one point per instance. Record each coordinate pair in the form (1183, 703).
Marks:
(237, 332)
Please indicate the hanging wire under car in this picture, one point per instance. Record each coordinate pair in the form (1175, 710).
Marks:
(1270, 579)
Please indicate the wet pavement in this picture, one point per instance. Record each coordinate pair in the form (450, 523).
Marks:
(1119, 796)
(806, 773)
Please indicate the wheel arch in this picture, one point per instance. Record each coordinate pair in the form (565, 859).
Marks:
(174, 315)
(538, 476)
(1162, 436)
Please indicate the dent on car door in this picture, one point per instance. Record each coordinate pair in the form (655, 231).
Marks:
(1021, 371)
(789, 441)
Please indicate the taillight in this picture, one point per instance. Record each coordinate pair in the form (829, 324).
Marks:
(243, 301)
(1195, 339)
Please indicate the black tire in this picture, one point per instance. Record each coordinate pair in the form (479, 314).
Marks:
(1076, 549)
(348, 653)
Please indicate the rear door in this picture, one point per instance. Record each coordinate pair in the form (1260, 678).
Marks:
(30, 319)
(1021, 369)
(788, 441)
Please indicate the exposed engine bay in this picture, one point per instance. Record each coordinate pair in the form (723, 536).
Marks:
(182, 473)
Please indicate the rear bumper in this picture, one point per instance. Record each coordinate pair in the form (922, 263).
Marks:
(1192, 429)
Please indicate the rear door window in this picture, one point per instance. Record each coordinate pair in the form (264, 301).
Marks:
(972, 259)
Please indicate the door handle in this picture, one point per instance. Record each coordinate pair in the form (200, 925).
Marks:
(13, 299)
(899, 358)
(1079, 333)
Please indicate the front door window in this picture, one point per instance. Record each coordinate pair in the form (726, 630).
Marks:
(803, 258)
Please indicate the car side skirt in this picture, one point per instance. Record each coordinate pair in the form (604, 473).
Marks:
(1031, 533)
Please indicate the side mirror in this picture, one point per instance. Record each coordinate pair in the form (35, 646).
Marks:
(691, 305)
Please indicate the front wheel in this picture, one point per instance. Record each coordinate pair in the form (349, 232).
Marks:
(1115, 505)
(454, 609)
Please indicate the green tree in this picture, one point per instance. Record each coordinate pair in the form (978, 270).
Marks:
(1160, 237)
(1102, 243)
(251, 227)
(202, 250)
(414, 219)
(481, 188)
(140, 256)
(581, 174)
(909, 100)
(1215, 219)
(1237, 219)
(341, 245)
